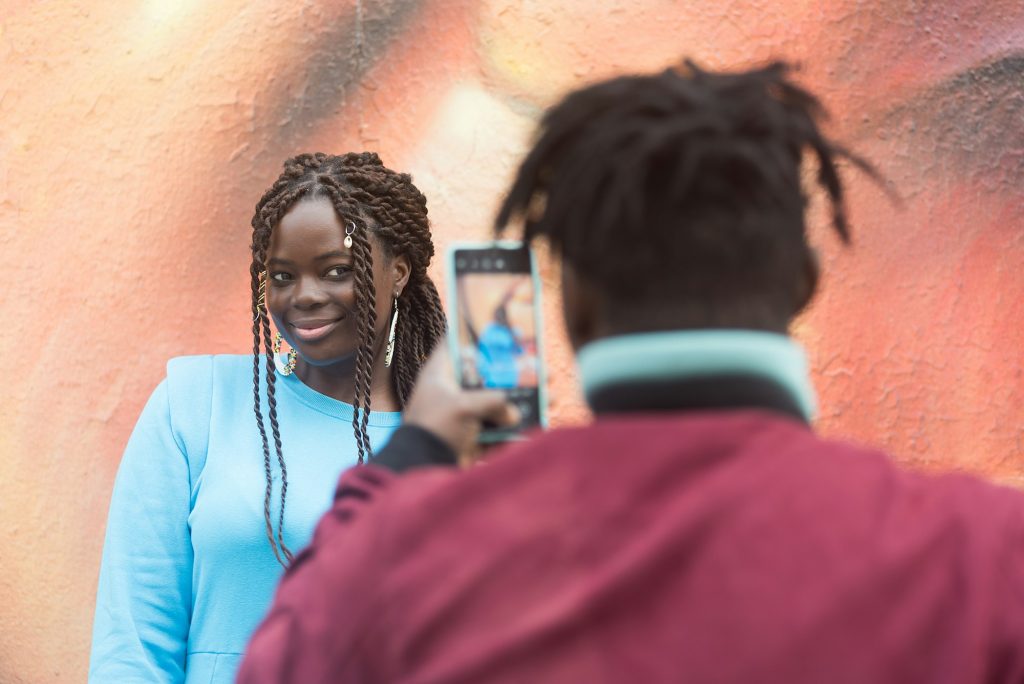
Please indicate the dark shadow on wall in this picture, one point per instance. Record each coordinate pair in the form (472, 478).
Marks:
(335, 62)
(971, 124)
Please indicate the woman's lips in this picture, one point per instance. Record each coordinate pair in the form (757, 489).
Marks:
(313, 331)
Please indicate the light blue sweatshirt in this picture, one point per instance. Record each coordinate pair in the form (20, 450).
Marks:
(187, 570)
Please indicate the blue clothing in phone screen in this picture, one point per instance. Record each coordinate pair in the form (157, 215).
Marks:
(497, 352)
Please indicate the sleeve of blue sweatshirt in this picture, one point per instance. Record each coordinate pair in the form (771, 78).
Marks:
(144, 598)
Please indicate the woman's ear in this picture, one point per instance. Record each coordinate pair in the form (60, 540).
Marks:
(400, 272)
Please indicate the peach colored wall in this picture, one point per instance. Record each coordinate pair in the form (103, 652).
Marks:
(135, 137)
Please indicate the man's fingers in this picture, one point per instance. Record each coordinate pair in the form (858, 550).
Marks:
(506, 415)
(491, 406)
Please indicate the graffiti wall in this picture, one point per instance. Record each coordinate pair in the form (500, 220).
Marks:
(136, 136)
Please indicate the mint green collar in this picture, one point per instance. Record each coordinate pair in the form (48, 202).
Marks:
(695, 353)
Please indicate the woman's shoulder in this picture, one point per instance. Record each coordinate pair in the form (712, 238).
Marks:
(191, 372)
(194, 384)
(193, 381)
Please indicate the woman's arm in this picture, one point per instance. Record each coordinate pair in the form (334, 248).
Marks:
(144, 599)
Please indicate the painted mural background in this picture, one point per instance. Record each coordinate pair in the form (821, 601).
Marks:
(136, 136)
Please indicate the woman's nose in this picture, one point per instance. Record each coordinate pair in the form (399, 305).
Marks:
(309, 293)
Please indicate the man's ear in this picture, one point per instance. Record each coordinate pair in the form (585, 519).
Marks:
(808, 283)
(582, 308)
(400, 272)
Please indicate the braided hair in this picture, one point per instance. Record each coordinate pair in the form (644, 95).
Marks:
(682, 188)
(388, 205)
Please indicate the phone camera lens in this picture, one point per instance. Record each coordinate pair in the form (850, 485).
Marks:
(487, 264)
(460, 264)
(499, 263)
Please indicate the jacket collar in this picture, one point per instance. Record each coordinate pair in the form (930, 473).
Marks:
(697, 369)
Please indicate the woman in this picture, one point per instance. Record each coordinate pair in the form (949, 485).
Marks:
(196, 538)
(499, 349)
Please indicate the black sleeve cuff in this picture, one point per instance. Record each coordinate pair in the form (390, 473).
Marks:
(411, 446)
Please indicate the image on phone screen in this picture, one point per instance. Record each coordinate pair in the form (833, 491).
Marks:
(497, 326)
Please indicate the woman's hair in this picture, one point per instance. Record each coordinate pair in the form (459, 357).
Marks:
(682, 187)
(387, 205)
(501, 315)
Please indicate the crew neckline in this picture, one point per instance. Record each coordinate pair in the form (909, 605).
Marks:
(333, 407)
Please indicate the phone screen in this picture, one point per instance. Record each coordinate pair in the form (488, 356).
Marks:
(497, 330)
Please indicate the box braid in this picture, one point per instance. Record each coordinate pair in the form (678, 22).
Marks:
(694, 175)
(388, 205)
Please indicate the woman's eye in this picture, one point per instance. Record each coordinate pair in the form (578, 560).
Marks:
(281, 277)
(338, 271)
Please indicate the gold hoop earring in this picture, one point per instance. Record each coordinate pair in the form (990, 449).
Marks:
(390, 353)
(288, 367)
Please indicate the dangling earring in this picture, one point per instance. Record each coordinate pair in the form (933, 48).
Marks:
(349, 229)
(390, 352)
(289, 367)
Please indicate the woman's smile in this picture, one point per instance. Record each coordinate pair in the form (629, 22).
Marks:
(314, 329)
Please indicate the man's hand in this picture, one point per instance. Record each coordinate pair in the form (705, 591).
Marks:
(452, 413)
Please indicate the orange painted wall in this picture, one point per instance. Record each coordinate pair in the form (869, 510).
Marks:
(136, 136)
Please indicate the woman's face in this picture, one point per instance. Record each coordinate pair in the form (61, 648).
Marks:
(311, 285)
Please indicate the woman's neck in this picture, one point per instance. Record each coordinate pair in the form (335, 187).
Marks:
(338, 381)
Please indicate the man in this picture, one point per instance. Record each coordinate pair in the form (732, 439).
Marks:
(697, 530)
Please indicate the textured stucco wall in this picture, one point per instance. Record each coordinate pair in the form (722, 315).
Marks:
(136, 136)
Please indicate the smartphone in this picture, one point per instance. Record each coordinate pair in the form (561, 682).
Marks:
(494, 329)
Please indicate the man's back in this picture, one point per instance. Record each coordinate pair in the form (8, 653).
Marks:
(697, 546)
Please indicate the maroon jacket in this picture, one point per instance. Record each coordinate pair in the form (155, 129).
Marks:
(728, 546)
